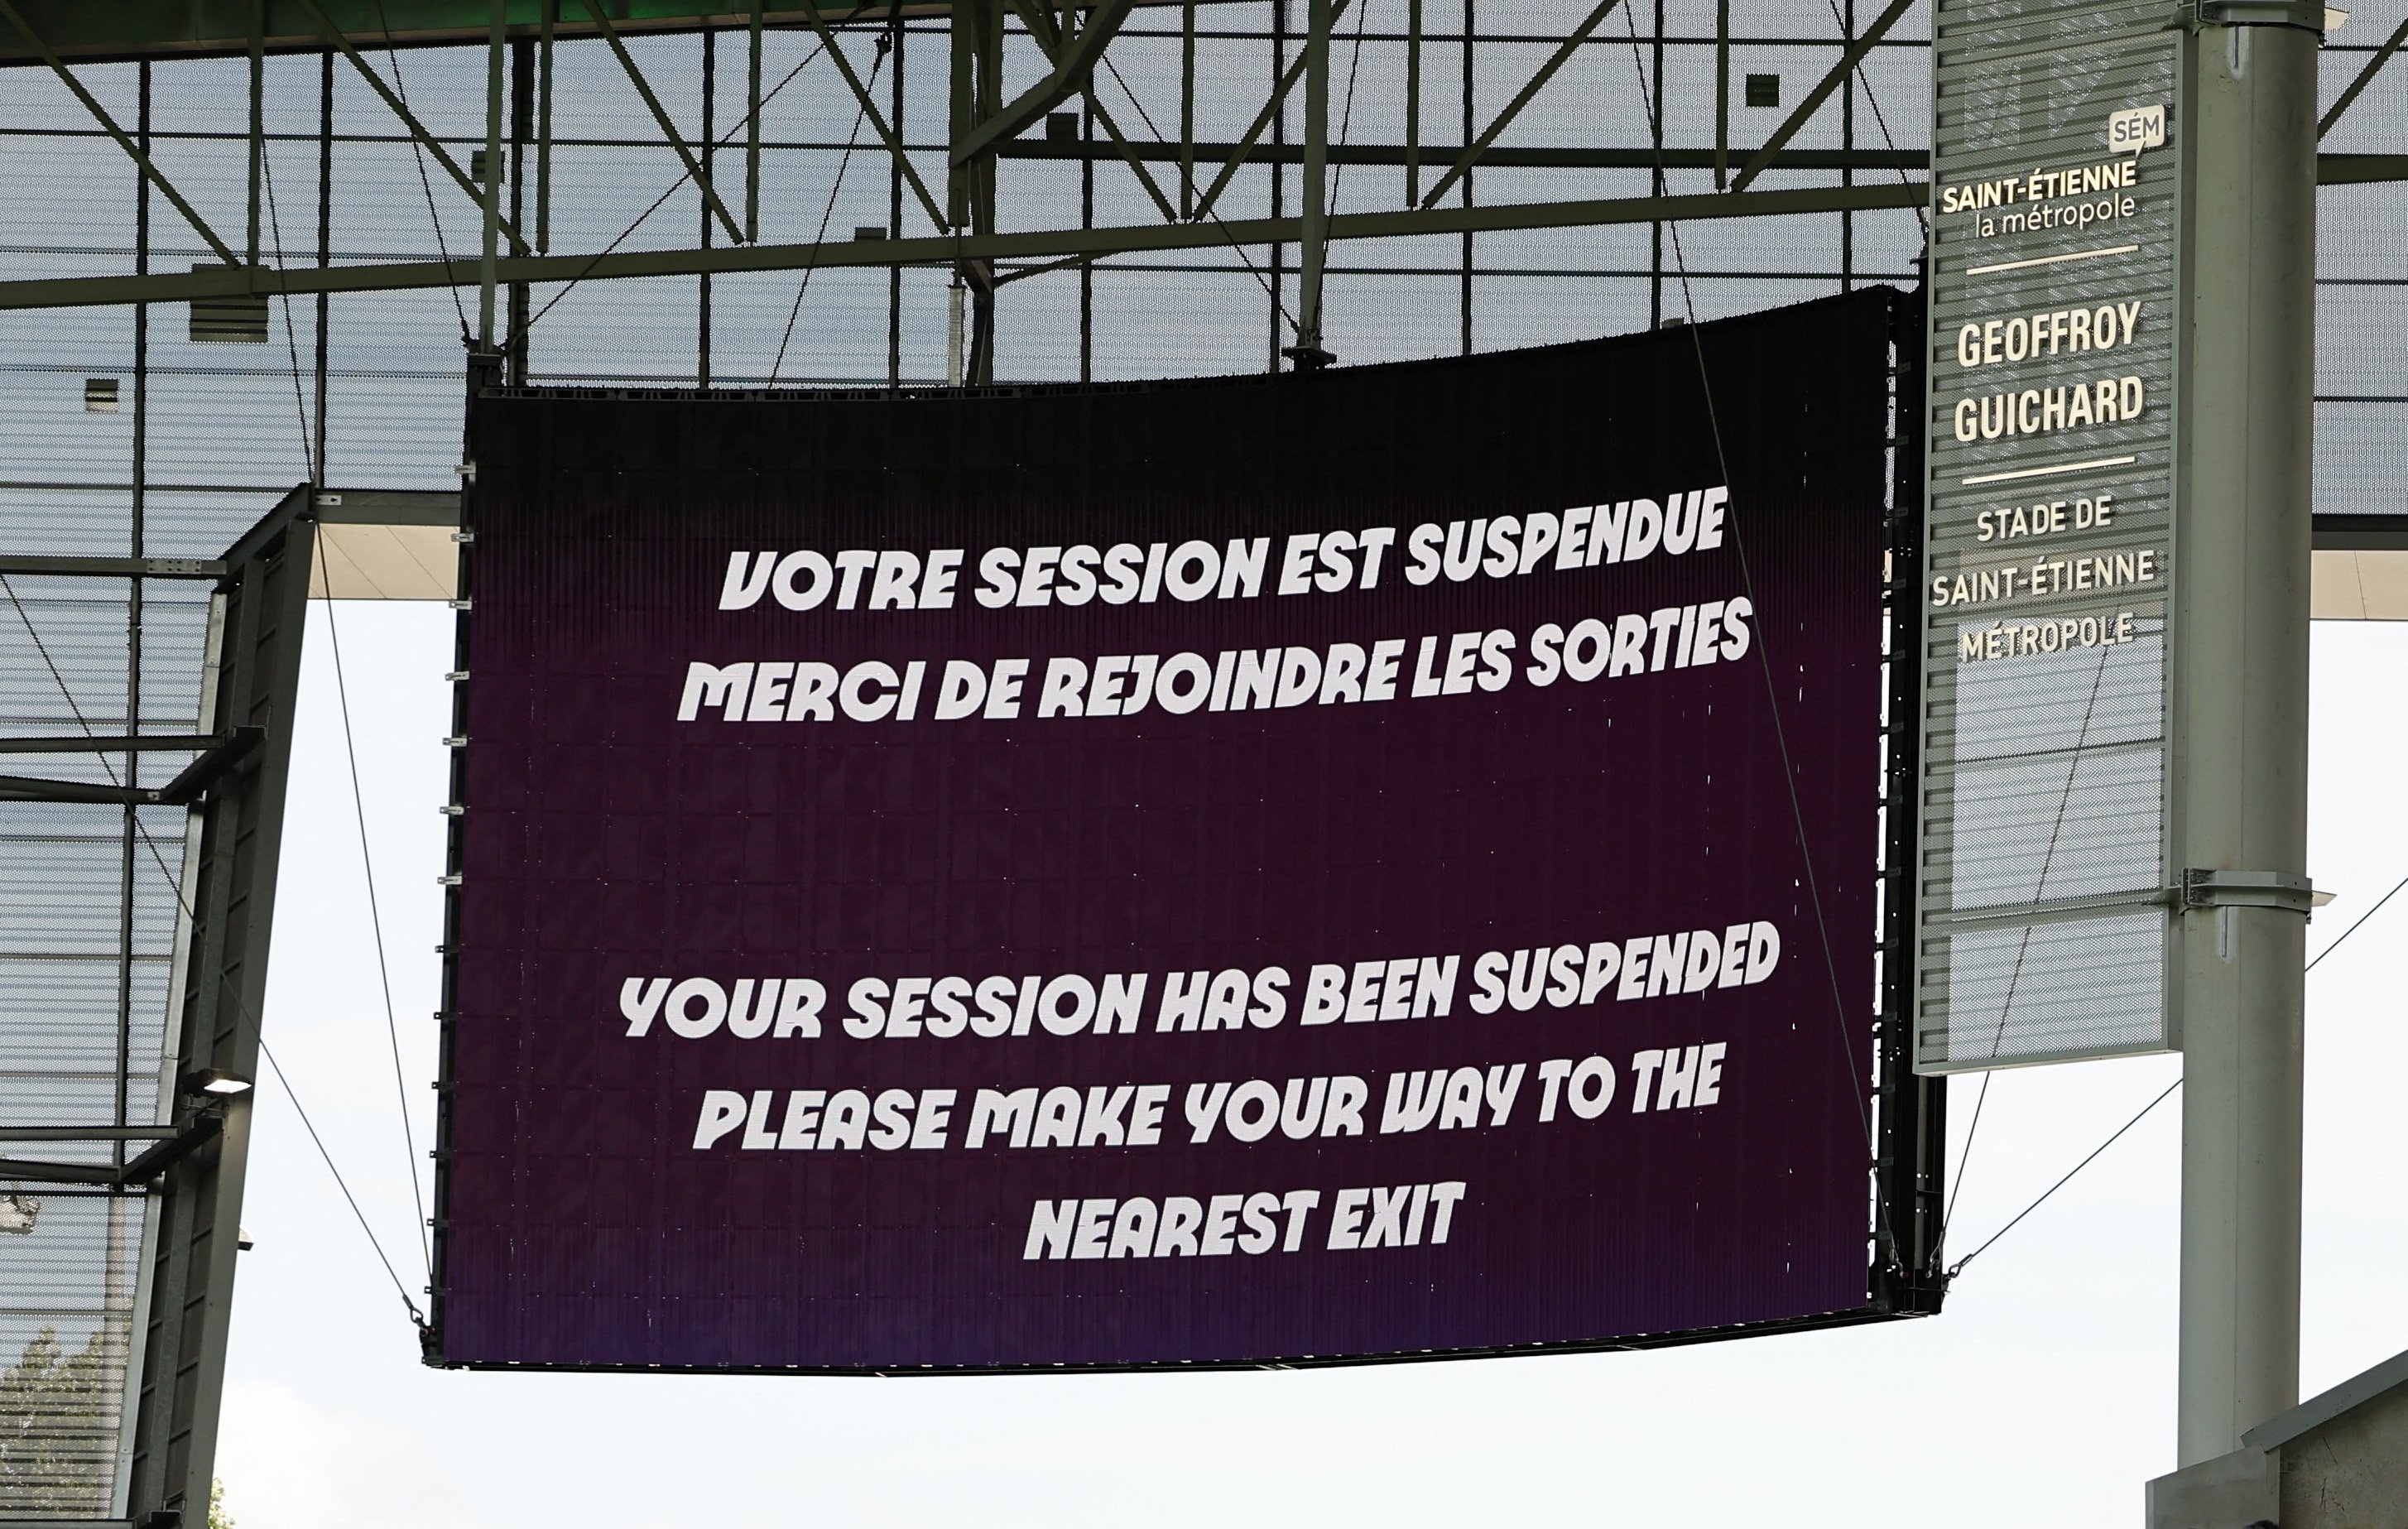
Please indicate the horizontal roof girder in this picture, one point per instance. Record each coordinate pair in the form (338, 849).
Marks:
(82, 30)
(941, 250)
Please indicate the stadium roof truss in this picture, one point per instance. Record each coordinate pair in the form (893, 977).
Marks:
(989, 120)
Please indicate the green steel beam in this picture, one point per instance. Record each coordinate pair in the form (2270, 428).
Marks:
(29, 32)
(95, 30)
(2365, 78)
(1864, 161)
(178, 287)
(1262, 120)
(324, 18)
(1504, 119)
(82, 30)
(1849, 59)
(1047, 31)
(1127, 148)
(1074, 62)
(669, 133)
(2360, 169)
(227, 281)
(816, 16)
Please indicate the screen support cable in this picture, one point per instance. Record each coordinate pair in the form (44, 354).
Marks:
(2016, 1220)
(176, 890)
(393, 59)
(375, 926)
(1858, 1081)
(351, 751)
(2361, 919)
(843, 164)
(2023, 945)
(658, 201)
(1210, 211)
(1880, 118)
(292, 345)
(1953, 1269)
(417, 1318)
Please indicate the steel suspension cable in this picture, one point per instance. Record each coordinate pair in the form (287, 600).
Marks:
(658, 201)
(1772, 696)
(417, 151)
(375, 926)
(175, 886)
(2017, 1220)
(843, 163)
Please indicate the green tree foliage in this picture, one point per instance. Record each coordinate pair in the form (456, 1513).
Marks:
(56, 1447)
(218, 1517)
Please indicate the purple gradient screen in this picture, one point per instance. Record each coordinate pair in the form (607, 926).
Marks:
(1222, 872)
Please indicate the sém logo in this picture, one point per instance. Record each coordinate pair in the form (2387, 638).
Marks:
(2136, 128)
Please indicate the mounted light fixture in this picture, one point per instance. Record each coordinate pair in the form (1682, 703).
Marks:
(213, 1082)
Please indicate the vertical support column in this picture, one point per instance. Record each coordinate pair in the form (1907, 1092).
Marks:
(129, 1219)
(962, 98)
(753, 122)
(326, 250)
(1187, 108)
(1412, 103)
(1279, 183)
(1722, 94)
(1848, 142)
(1656, 176)
(990, 101)
(895, 31)
(258, 130)
(2248, 361)
(1087, 219)
(543, 129)
(522, 87)
(136, 539)
(977, 95)
(1470, 23)
(219, 988)
(709, 132)
(491, 184)
(1309, 354)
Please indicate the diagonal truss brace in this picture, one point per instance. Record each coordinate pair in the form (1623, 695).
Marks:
(1245, 145)
(100, 114)
(1561, 56)
(393, 103)
(1128, 156)
(660, 114)
(1048, 37)
(877, 117)
(2365, 78)
(1821, 93)
(1072, 66)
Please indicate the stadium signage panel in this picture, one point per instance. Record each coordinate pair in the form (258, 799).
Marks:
(1265, 871)
(2042, 921)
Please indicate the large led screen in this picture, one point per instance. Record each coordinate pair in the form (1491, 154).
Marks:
(1259, 870)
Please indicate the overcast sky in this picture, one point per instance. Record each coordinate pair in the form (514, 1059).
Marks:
(2044, 1395)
